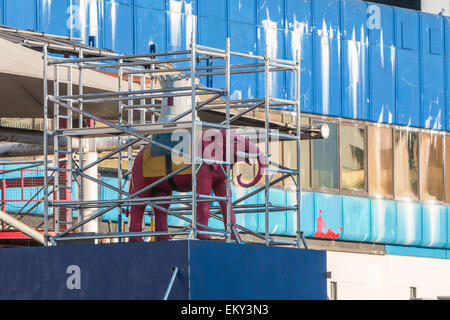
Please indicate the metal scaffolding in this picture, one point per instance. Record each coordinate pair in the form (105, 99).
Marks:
(138, 104)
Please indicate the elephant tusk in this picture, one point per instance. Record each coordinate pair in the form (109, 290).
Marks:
(242, 154)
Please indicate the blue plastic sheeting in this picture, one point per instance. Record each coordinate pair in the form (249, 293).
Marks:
(359, 60)
(138, 271)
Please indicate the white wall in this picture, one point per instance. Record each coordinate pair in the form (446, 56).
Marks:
(435, 6)
(372, 277)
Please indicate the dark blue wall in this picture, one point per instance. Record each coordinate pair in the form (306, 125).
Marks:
(207, 270)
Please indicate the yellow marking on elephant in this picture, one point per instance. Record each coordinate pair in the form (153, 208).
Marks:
(156, 166)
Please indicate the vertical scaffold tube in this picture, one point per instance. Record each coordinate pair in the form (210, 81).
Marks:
(193, 136)
(267, 140)
(228, 141)
(46, 182)
(298, 113)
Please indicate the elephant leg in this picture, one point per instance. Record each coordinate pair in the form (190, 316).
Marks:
(161, 224)
(136, 216)
(220, 190)
(204, 187)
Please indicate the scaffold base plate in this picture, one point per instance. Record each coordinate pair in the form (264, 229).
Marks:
(207, 270)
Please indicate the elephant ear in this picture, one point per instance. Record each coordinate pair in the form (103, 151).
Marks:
(213, 146)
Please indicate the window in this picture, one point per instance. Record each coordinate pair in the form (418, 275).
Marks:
(353, 161)
(381, 161)
(406, 160)
(290, 159)
(324, 159)
(431, 167)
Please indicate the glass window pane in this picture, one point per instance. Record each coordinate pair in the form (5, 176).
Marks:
(447, 168)
(325, 164)
(431, 167)
(290, 159)
(353, 157)
(406, 160)
(380, 155)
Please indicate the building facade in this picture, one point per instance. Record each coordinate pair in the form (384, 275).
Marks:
(378, 75)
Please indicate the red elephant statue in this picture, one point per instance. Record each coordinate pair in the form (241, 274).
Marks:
(210, 177)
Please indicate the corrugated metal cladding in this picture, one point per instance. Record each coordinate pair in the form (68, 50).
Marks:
(360, 60)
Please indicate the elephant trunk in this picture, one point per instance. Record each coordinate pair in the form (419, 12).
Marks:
(253, 151)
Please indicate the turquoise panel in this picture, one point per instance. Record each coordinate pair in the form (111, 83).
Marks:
(356, 218)
(383, 220)
(416, 251)
(434, 226)
(328, 215)
(409, 223)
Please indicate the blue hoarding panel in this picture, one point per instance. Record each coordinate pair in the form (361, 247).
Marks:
(118, 35)
(56, 17)
(409, 223)
(150, 27)
(382, 83)
(356, 218)
(299, 41)
(407, 29)
(243, 11)
(381, 21)
(20, 14)
(434, 226)
(216, 9)
(355, 67)
(326, 17)
(270, 14)
(408, 88)
(354, 20)
(240, 272)
(327, 71)
(383, 220)
(433, 92)
(298, 14)
(216, 39)
(154, 4)
(432, 33)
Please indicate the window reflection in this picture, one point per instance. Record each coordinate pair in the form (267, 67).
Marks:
(380, 155)
(406, 160)
(431, 167)
(447, 166)
(325, 167)
(290, 159)
(353, 157)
